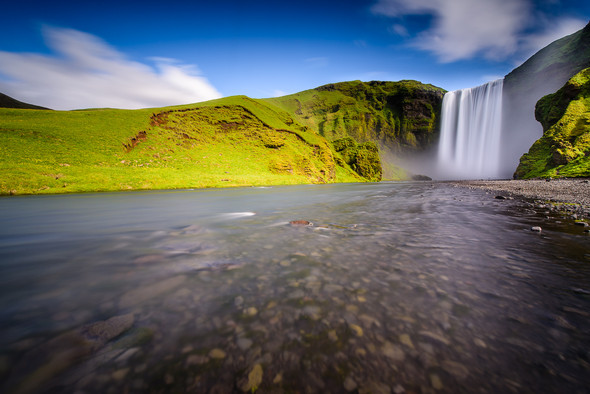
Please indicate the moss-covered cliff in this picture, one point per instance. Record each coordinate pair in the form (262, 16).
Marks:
(564, 148)
(402, 114)
(398, 117)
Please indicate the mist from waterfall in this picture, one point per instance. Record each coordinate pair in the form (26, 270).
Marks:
(471, 128)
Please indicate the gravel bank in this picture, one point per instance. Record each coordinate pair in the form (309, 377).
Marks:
(574, 191)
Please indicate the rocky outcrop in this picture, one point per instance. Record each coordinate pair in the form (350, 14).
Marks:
(564, 148)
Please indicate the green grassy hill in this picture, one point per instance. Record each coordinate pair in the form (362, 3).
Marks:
(335, 133)
(564, 148)
(234, 141)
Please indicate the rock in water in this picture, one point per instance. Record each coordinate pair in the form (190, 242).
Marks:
(300, 223)
(104, 331)
(536, 229)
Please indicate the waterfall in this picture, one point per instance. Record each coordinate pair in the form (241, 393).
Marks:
(471, 125)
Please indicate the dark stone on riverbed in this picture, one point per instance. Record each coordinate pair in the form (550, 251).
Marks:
(421, 178)
(500, 198)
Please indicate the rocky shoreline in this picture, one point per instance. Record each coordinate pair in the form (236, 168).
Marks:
(571, 191)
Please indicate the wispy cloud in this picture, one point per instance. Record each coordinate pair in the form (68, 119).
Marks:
(400, 30)
(279, 93)
(86, 72)
(464, 29)
(317, 62)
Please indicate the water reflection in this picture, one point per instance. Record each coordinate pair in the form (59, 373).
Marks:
(395, 288)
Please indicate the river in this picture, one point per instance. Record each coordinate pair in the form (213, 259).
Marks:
(395, 287)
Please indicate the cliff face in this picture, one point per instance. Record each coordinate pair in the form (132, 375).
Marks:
(564, 148)
(542, 74)
(400, 116)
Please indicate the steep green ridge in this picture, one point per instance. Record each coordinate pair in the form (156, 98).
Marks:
(561, 59)
(234, 141)
(9, 102)
(564, 148)
(399, 117)
(543, 73)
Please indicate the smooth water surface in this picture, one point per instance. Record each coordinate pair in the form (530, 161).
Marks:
(397, 287)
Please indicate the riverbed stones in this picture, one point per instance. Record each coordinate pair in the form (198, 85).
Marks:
(43, 363)
(393, 351)
(350, 384)
(358, 331)
(536, 229)
(456, 369)
(436, 337)
(250, 311)
(196, 359)
(436, 382)
(217, 354)
(253, 380)
(406, 340)
(244, 343)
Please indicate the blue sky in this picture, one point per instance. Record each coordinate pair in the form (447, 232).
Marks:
(72, 54)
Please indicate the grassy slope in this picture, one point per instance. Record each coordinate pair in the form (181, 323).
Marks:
(564, 148)
(399, 117)
(235, 141)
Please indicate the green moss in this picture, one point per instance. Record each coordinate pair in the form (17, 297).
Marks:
(363, 159)
(564, 148)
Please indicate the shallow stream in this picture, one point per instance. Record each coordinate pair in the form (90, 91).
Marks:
(395, 287)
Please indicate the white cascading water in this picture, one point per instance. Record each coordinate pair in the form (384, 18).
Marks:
(471, 126)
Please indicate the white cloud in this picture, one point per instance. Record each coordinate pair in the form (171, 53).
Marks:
(464, 29)
(85, 72)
